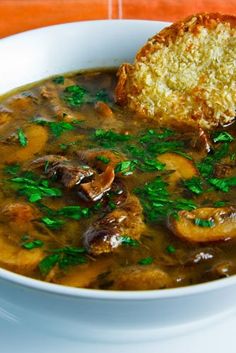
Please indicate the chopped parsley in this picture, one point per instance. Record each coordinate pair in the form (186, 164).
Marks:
(126, 167)
(223, 184)
(223, 136)
(29, 245)
(126, 240)
(146, 261)
(150, 165)
(206, 166)
(22, 138)
(63, 257)
(74, 212)
(52, 223)
(206, 223)
(74, 96)
(103, 159)
(57, 127)
(109, 138)
(219, 204)
(170, 249)
(34, 188)
(194, 184)
(157, 202)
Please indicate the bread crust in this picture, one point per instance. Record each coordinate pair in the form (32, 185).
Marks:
(126, 88)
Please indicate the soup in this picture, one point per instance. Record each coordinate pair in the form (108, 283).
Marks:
(94, 196)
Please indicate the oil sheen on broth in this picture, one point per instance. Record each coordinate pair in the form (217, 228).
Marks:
(94, 196)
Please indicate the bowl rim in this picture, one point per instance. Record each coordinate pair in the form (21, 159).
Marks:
(63, 290)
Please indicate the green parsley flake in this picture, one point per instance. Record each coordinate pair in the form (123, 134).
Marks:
(194, 184)
(206, 223)
(126, 167)
(157, 202)
(103, 159)
(35, 188)
(22, 138)
(223, 184)
(74, 212)
(109, 138)
(29, 245)
(126, 240)
(52, 223)
(170, 249)
(146, 261)
(223, 137)
(57, 127)
(63, 257)
(74, 96)
(219, 204)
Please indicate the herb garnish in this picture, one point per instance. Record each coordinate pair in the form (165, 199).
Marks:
(170, 249)
(206, 223)
(146, 261)
(63, 257)
(57, 127)
(29, 245)
(126, 240)
(194, 184)
(126, 167)
(22, 138)
(109, 138)
(35, 188)
(206, 166)
(223, 136)
(157, 202)
(52, 223)
(103, 159)
(223, 184)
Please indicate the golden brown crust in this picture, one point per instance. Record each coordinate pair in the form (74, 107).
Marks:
(131, 91)
(189, 24)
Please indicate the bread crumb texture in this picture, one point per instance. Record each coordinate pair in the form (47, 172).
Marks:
(185, 74)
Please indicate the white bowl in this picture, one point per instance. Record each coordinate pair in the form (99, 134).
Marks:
(83, 313)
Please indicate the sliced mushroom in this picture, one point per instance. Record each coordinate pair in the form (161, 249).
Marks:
(95, 189)
(182, 167)
(215, 224)
(106, 233)
(69, 173)
(135, 278)
(82, 275)
(24, 102)
(14, 258)
(37, 137)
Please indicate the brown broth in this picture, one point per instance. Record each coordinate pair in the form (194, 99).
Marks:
(184, 263)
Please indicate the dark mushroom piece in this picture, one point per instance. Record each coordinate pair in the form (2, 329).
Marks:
(135, 277)
(69, 173)
(96, 188)
(106, 233)
(100, 158)
(204, 224)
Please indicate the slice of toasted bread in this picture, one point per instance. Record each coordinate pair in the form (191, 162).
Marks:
(185, 75)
